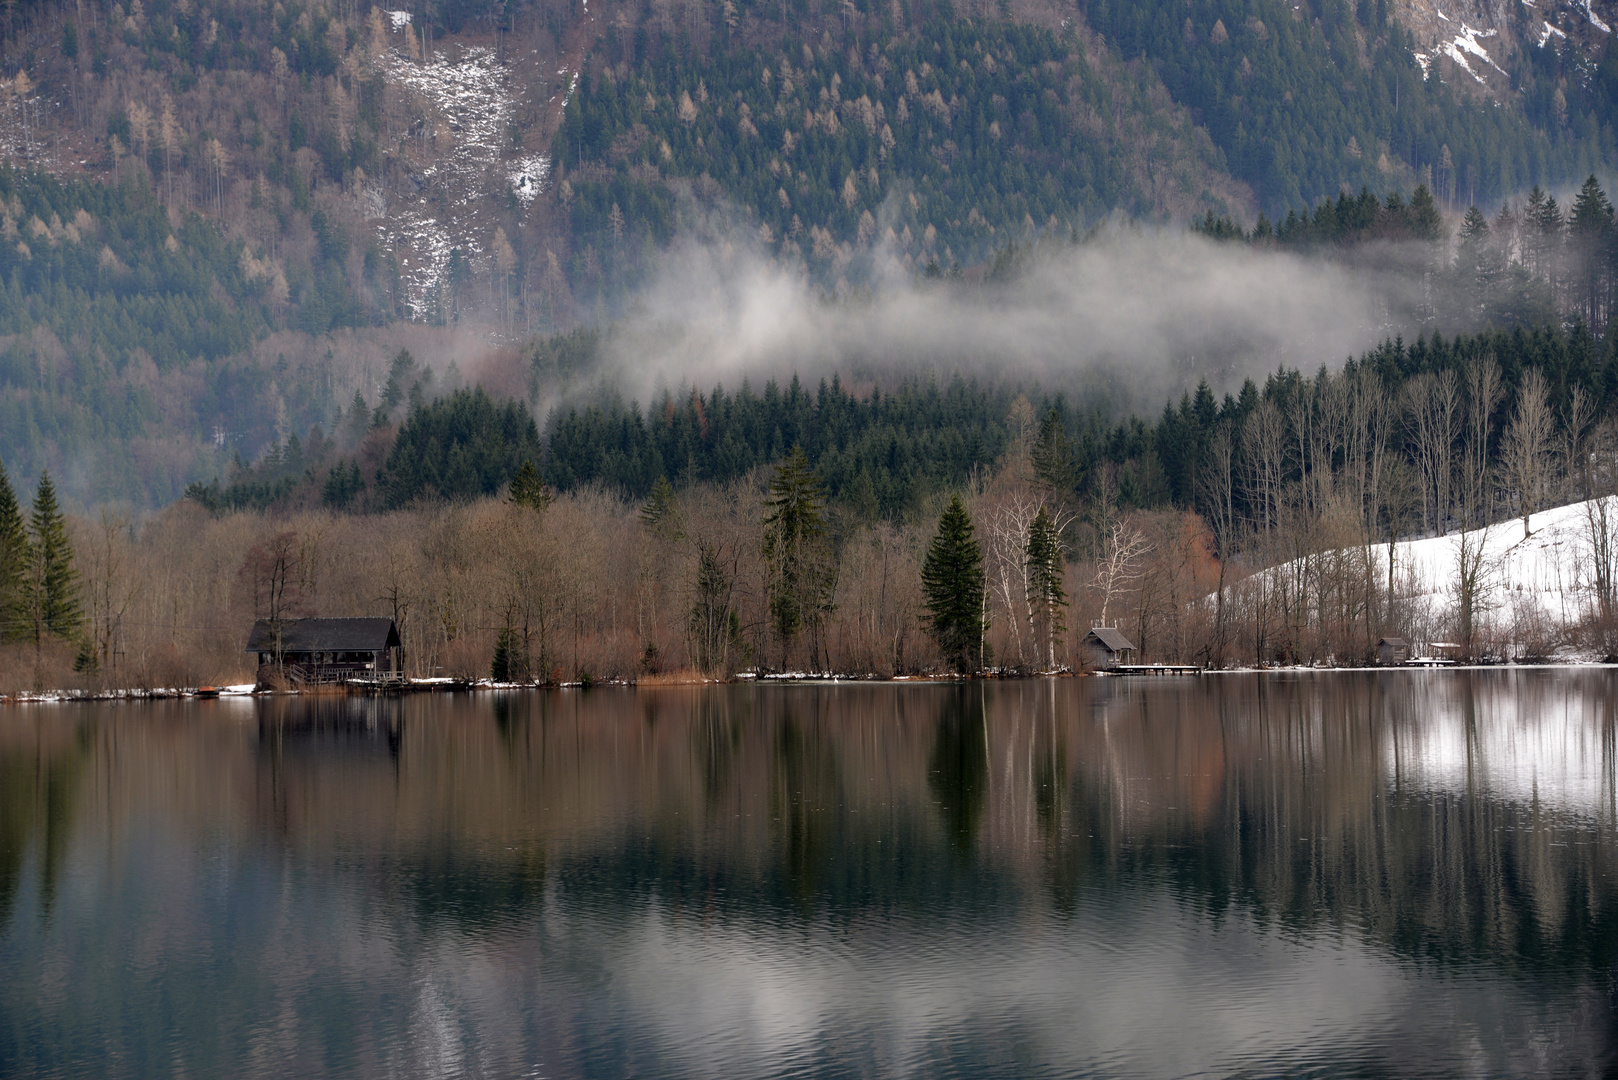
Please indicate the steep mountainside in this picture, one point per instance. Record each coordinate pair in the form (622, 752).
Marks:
(226, 217)
(1489, 41)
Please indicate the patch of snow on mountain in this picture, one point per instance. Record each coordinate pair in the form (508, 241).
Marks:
(401, 19)
(1595, 20)
(1466, 42)
(1545, 35)
(528, 175)
(461, 110)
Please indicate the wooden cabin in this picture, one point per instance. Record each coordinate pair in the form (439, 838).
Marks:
(1105, 648)
(1391, 651)
(328, 650)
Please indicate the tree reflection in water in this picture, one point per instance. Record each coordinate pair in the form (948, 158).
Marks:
(561, 876)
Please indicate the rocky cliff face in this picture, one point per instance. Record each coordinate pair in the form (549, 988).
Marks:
(1480, 43)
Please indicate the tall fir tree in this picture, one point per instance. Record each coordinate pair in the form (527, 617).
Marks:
(528, 488)
(794, 528)
(1052, 454)
(660, 509)
(1425, 220)
(1046, 596)
(952, 581)
(15, 556)
(1591, 226)
(51, 583)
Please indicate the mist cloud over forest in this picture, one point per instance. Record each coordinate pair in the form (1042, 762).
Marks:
(1130, 316)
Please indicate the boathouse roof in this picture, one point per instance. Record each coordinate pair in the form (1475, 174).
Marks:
(1110, 637)
(325, 635)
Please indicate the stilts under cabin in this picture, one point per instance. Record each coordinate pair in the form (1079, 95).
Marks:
(312, 651)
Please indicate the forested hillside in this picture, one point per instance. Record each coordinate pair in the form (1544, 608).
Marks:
(935, 144)
(1302, 99)
(222, 219)
(1281, 503)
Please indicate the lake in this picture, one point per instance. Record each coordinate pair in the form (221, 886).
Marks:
(1358, 874)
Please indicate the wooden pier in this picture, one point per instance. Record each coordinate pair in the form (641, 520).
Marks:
(1154, 669)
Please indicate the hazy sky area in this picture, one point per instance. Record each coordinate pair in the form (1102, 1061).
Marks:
(1149, 312)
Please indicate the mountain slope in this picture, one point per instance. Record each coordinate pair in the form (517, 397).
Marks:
(283, 195)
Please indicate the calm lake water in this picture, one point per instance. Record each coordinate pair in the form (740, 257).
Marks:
(1395, 874)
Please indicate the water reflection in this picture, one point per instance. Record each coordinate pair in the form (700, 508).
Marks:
(1362, 874)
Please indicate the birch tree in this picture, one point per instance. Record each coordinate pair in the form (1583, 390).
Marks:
(1526, 453)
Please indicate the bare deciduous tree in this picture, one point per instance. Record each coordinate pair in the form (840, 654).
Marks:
(1433, 408)
(1119, 566)
(1526, 453)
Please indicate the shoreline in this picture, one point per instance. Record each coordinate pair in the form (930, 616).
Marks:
(441, 685)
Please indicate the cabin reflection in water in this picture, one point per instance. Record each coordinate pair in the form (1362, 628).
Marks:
(1448, 826)
(1412, 790)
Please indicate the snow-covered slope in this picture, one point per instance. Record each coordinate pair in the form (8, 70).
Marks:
(1546, 570)
(1529, 587)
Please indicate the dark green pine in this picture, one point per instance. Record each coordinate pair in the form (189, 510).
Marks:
(952, 580)
(15, 555)
(53, 588)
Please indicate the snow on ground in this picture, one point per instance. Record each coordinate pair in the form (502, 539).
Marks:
(527, 176)
(462, 103)
(463, 108)
(1541, 571)
(1458, 48)
(1542, 575)
(1595, 20)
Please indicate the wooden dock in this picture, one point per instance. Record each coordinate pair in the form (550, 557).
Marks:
(1154, 669)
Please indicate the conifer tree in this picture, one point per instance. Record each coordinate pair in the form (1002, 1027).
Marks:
(659, 511)
(1046, 596)
(794, 526)
(1053, 454)
(1592, 228)
(528, 488)
(15, 556)
(953, 581)
(1425, 221)
(51, 584)
(502, 667)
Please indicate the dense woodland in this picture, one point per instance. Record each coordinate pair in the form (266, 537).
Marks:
(199, 293)
(962, 526)
(206, 256)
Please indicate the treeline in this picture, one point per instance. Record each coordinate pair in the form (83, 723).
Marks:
(108, 312)
(879, 454)
(1257, 528)
(1531, 261)
(974, 132)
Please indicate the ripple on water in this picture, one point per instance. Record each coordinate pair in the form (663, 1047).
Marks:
(1152, 881)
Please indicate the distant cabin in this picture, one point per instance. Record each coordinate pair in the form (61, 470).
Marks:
(1104, 647)
(1450, 651)
(327, 650)
(1392, 650)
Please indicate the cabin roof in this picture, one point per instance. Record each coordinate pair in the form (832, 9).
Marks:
(1110, 637)
(1395, 642)
(325, 635)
